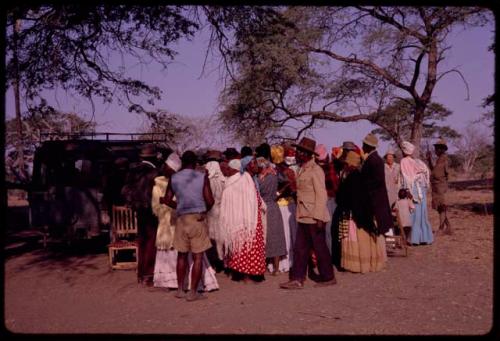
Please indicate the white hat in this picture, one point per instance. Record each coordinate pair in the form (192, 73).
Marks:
(235, 164)
(407, 148)
(174, 162)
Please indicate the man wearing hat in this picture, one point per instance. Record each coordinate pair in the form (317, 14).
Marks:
(373, 182)
(391, 170)
(312, 216)
(138, 193)
(439, 183)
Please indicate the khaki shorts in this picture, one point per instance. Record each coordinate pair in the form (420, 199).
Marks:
(191, 233)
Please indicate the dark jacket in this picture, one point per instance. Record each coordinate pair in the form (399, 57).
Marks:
(373, 182)
(139, 185)
(350, 199)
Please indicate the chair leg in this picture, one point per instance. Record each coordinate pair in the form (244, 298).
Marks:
(111, 253)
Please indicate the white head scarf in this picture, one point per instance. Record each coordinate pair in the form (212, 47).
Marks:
(214, 171)
(407, 148)
(174, 162)
(235, 164)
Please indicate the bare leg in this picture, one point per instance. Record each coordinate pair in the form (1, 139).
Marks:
(195, 277)
(447, 229)
(196, 272)
(181, 273)
(276, 264)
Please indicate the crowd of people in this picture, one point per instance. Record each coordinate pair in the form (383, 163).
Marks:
(296, 209)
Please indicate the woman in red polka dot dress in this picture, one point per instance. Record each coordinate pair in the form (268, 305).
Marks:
(242, 225)
(251, 260)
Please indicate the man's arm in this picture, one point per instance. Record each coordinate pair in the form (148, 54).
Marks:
(429, 160)
(207, 194)
(168, 199)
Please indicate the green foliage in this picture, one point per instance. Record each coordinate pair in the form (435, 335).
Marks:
(76, 47)
(42, 119)
(399, 117)
(270, 65)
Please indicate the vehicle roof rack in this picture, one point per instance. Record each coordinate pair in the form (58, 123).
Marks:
(104, 136)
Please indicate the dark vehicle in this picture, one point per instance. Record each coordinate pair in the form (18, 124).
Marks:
(70, 196)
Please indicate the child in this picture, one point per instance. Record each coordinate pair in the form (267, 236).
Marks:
(403, 208)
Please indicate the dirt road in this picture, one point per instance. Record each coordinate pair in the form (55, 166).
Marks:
(444, 288)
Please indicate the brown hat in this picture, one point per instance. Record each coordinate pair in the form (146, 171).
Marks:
(213, 155)
(441, 142)
(371, 140)
(307, 145)
(349, 145)
(148, 150)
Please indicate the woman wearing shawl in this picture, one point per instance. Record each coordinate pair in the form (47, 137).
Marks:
(165, 275)
(361, 250)
(415, 177)
(241, 222)
(217, 180)
(275, 239)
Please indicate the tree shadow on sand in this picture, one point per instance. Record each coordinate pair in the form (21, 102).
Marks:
(71, 261)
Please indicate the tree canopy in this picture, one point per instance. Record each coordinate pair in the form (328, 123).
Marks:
(356, 61)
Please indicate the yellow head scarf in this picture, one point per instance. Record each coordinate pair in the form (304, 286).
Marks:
(277, 154)
(353, 159)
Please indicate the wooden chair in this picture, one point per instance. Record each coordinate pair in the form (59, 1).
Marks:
(123, 235)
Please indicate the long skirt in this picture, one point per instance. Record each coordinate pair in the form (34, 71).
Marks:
(251, 259)
(290, 226)
(421, 230)
(363, 252)
(165, 275)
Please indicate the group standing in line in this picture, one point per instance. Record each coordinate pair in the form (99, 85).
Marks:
(281, 208)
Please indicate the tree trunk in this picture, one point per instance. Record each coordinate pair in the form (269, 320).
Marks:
(416, 129)
(17, 97)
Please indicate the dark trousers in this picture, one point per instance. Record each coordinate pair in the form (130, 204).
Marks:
(310, 236)
(147, 224)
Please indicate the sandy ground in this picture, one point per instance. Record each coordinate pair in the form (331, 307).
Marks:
(443, 288)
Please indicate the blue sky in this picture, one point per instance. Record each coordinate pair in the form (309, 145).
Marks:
(186, 93)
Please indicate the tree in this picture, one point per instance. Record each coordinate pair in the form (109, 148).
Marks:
(72, 46)
(186, 133)
(42, 120)
(366, 57)
(473, 146)
(398, 116)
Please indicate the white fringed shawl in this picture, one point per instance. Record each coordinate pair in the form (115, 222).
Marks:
(238, 214)
(414, 171)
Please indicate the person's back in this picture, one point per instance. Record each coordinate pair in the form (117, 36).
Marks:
(187, 185)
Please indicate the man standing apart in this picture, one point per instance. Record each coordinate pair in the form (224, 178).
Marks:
(137, 192)
(439, 184)
(312, 216)
(373, 182)
(194, 198)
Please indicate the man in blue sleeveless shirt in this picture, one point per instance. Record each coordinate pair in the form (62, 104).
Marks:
(194, 198)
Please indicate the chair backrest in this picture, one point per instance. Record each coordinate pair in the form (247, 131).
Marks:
(123, 221)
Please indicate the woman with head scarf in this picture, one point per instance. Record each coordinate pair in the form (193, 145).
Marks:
(415, 177)
(360, 249)
(216, 180)
(241, 223)
(165, 275)
(268, 187)
(286, 194)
